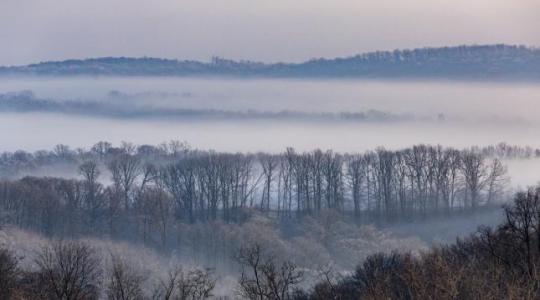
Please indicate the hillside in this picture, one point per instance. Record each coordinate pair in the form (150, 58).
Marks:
(477, 62)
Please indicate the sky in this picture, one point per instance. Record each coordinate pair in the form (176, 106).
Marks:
(262, 30)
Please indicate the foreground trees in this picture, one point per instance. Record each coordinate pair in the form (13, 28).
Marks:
(181, 285)
(63, 270)
(9, 274)
(494, 263)
(73, 270)
(68, 270)
(262, 277)
(124, 282)
(499, 263)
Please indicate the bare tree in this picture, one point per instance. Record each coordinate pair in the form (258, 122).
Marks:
(195, 284)
(154, 208)
(333, 177)
(269, 163)
(521, 222)
(124, 282)
(69, 270)
(355, 176)
(125, 168)
(101, 149)
(93, 198)
(496, 181)
(262, 278)
(475, 174)
(9, 273)
(149, 174)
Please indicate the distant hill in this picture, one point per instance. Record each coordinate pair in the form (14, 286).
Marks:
(490, 62)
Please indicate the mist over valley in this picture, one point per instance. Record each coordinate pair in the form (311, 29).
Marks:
(269, 150)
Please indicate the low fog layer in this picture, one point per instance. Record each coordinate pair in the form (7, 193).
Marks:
(448, 113)
(503, 100)
(36, 131)
(122, 107)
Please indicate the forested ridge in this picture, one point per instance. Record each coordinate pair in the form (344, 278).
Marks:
(476, 61)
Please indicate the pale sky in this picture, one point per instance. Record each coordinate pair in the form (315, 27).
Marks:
(262, 30)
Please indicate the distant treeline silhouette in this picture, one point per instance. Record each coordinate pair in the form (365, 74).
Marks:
(482, 62)
(25, 101)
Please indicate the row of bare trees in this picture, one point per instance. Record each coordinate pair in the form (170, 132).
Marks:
(382, 183)
(14, 164)
(153, 197)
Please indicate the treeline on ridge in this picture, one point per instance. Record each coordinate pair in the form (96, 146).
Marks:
(25, 101)
(475, 61)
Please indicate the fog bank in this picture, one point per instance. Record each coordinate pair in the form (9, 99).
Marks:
(448, 113)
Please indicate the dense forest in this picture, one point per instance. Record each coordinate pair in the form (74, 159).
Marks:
(494, 263)
(279, 226)
(480, 62)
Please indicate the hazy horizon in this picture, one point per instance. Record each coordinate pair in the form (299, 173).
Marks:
(240, 29)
